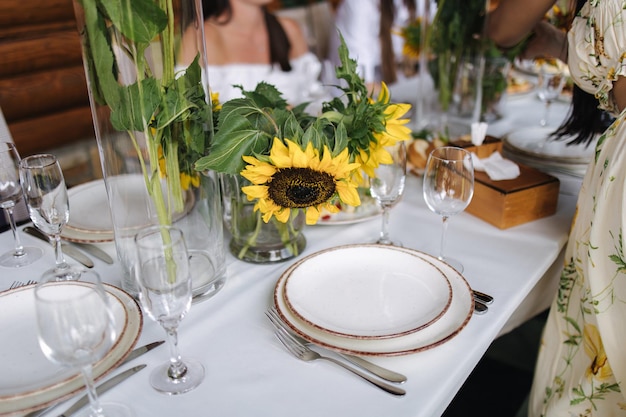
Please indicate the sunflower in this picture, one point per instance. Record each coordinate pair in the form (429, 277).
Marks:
(295, 179)
(394, 132)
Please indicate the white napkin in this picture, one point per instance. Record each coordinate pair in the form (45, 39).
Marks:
(479, 131)
(496, 167)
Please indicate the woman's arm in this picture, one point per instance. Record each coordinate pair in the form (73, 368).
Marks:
(513, 20)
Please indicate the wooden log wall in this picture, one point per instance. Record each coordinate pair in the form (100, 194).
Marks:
(43, 94)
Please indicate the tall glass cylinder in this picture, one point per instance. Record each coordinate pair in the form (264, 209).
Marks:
(146, 68)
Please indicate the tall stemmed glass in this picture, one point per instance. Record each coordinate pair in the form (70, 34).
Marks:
(550, 83)
(75, 328)
(46, 197)
(10, 195)
(448, 188)
(387, 186)
(165, 293)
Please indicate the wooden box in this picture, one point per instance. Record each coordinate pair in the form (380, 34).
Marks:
(507, 203)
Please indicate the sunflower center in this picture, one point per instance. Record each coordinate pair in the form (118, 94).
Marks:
(301, 187)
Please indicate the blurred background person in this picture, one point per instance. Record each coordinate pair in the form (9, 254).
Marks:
(247, 44)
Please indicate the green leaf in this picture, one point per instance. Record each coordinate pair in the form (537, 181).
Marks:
(138, 20)
(138, 103)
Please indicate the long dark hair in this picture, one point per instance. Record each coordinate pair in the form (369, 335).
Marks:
(584, 119)
(278, 40)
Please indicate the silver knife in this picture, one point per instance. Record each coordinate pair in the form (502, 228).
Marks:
(67, 249)
(484, 298)
(132, 355)
(102, 388)
(95, 251)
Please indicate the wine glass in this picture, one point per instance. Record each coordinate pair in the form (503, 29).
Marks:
(165, 293)
(448, 188)
(387, 186)
(75, 329)
(10, 195)
(550, 83)
(48, 207)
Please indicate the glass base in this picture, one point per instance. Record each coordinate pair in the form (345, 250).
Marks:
(269, 253)
(161, 382)
(108, 410)
(30, 255)
(71, 273)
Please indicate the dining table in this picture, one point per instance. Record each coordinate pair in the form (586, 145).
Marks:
(248, 371)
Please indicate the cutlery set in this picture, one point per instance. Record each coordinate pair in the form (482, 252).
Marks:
(301, 349)
(72, 249)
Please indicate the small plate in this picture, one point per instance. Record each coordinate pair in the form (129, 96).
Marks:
(445, 328)
(367, 292)
(29, 381)
(368, 209)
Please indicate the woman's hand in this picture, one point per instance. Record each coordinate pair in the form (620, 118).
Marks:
(547, 41)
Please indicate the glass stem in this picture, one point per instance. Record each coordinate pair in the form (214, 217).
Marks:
(19, 249)
(94, 402)
(544, 121)
(444, 229)
(384, 230)
(177, 368)
(58, 253)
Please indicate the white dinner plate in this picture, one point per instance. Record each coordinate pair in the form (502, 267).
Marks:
(89, 208)
(442, 330)
(29, 381)
(367, 291)
(531, 146)
(90, 214)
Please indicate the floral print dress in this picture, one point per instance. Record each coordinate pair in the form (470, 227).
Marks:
(581, 369)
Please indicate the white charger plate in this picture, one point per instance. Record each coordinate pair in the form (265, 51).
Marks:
(445, 328)
(28, 380)
(367, 292)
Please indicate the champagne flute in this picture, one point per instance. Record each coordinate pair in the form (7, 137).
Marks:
(11, 194)
(48, 207)
(75, 329)
(550, 83)
(165, 293)
(448, 188)
(387, 186)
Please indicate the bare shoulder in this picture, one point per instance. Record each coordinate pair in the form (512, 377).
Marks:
(296, 36)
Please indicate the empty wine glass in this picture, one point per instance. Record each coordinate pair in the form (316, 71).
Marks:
(76, 329)
(165, 293)
(550, 83)
(387, 186)
(48, 207)
(10, 195)
(448, 188)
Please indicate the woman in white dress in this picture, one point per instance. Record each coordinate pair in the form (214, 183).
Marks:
(247, 44)
(581, 369)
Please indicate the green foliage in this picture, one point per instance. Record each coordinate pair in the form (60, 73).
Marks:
(248, 125)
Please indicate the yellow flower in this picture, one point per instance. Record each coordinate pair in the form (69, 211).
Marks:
(395, 131)
(599, 367)
(297, 179)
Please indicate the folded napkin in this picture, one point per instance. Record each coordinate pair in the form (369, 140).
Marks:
(496, 167)
(479, 131)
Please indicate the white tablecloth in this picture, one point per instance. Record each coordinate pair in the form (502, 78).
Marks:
(250, 374)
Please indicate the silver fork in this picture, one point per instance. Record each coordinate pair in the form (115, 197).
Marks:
(17, 284)
(302, 352)
(379, 371)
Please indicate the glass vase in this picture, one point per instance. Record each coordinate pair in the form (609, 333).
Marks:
(147, 78)
(253, 240)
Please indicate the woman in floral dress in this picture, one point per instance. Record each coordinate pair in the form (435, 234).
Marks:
(581, 369)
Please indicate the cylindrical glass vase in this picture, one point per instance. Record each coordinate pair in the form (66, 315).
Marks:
(254, 240)
(146, 70)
